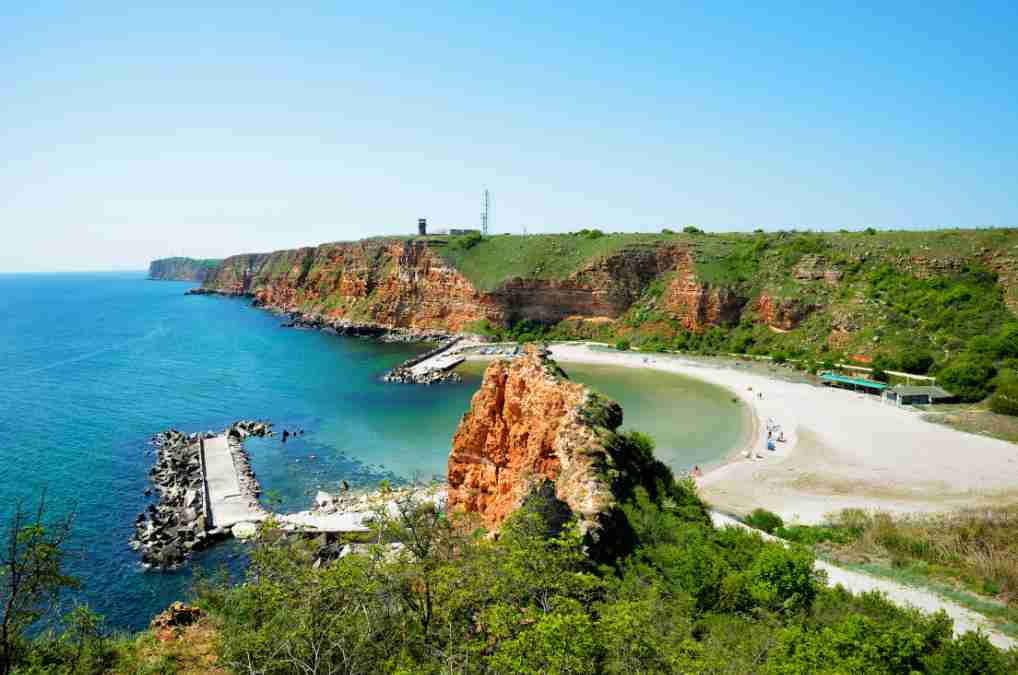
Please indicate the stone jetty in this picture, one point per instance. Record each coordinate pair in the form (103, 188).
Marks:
(435, 365)
(183, 519)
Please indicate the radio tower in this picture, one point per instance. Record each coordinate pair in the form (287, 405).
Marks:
(485, 213)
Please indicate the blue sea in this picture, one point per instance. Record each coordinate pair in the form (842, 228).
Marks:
(94, 364)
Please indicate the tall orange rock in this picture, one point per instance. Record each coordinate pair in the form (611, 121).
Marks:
(528, 425)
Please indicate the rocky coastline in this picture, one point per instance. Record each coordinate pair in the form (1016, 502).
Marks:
(337, 326)
(168, 532)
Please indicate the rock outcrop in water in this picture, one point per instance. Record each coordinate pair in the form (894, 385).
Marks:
(531, 431)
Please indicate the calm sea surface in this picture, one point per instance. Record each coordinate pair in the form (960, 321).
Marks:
(92, 365)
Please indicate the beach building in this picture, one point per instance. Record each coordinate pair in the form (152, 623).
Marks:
(903, 394)
(832, 379)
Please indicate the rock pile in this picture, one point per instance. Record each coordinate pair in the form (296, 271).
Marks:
(177, 614)
(354, 329)
(403, 375)
(235, 434)
(168, 532)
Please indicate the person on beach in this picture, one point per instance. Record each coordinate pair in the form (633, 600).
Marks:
(696, 473)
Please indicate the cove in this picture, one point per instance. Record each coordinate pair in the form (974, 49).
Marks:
(94, 364)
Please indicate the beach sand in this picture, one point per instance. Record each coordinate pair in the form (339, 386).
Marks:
(842, 450)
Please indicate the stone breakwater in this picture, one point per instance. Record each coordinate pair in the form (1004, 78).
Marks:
(169, 531)
(407, 373)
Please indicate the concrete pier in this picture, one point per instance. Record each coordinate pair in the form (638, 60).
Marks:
(228, 505)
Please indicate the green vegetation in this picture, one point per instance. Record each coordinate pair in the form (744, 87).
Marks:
(765, 520)
(976, 549)
(494, 260)
(685, 598)
(922, 303)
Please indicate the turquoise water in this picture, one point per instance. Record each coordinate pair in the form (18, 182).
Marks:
(93, 365)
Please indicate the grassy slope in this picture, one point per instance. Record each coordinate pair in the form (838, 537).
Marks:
(497, 259)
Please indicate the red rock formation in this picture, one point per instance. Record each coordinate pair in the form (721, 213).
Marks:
(784, 314)
(697, 305)
(405, 284)
(528, 424)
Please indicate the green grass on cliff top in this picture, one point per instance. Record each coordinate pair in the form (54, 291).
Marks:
(496, 259)
(752, 259)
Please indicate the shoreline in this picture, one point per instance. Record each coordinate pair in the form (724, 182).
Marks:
(843, 450)
(753, 433)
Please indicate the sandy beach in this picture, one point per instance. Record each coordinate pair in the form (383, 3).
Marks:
(841, 449)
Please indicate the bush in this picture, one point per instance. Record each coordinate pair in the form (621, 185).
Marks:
(783, 579)
(917, 363)
(590, 233)
(692, 229)
(765, 520)
(466, 241)
(869, 231)
(622, 345)
(667, 231)
(968, 377)
(1005, 397)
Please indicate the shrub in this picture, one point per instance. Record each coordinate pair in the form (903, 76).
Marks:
(692, 229)
(667, 231)
(1005, 397)
(466, 241)
(622, 345)
(783, 579)
(869, 231)
(968, 377)
(590, 233)
(765, 520)
(918, 363)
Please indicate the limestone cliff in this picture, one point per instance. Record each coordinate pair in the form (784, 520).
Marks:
(181, 269)
(529, 426)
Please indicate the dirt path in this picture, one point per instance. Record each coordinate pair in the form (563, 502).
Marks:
(965, 620)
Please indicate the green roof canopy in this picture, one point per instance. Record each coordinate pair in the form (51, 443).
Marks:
(828, 376)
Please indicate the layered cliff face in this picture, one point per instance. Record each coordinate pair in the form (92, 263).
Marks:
(820, 288)
(407, 284)
(528, 427)
(181, 269)
(697, 305)
(391, 283)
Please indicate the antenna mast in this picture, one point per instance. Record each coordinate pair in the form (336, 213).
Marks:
(485, 213)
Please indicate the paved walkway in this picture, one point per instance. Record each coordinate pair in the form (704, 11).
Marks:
(227, 504)
(965, 620)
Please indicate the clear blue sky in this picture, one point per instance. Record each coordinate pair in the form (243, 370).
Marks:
(129, 134)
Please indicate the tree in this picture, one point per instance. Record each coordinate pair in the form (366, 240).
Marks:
(692, 229)
(31, 575)
(968, 377)
(1005, 398)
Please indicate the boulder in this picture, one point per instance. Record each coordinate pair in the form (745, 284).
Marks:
(244, 530)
